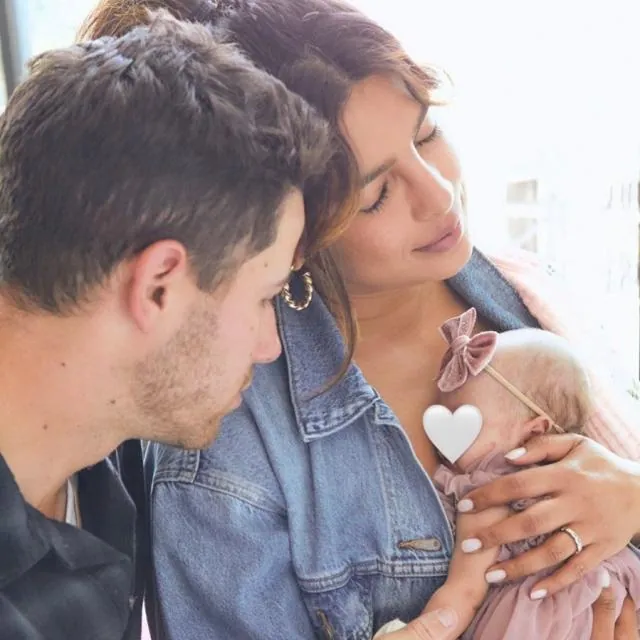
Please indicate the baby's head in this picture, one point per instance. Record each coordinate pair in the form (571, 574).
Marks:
(543, 367)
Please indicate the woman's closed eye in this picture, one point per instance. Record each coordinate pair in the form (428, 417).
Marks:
(434, 134)
(382, 198)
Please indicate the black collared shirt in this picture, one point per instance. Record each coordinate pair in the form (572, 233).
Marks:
(58, 582)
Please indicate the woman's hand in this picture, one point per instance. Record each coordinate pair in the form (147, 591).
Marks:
(605, 625)
(453, 606)
(588, 489)
(444, 624)
(434, 625)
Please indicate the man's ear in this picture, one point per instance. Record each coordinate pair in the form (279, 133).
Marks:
(537, 426)
(155, 278)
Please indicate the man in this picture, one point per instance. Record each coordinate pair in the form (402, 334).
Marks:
(150, 208)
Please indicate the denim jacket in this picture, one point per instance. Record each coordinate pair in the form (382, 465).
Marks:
(310, 515)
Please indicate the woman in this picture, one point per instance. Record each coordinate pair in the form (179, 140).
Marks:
(321, 491)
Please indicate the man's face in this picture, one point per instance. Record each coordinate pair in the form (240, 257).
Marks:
(185, 389)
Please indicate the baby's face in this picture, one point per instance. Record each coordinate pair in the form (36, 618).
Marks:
(503, 427)
(528, 358)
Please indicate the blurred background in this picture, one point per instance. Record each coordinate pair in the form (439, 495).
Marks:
(546, 115)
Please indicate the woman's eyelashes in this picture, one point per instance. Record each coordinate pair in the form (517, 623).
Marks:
(434, 134)
(382, 198)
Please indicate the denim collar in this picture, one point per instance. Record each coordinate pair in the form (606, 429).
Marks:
(314, 351)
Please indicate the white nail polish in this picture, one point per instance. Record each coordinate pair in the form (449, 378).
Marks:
(538, 594)
(470, 545)
(495, 576)
(465, 505)
(515, 454)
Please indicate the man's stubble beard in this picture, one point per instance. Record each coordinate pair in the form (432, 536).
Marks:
(170, 399)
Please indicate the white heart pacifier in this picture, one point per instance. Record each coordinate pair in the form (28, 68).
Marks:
(452, 433)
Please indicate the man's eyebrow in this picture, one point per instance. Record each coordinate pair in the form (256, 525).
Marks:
(385, 166)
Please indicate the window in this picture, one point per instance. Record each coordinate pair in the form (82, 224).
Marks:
(52, 23)
(28, 27)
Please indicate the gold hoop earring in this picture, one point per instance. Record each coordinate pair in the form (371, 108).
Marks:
(308, 293)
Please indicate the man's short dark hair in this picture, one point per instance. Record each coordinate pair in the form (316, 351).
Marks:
(112, 145)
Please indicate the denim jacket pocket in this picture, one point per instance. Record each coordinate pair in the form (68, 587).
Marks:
(343, 612)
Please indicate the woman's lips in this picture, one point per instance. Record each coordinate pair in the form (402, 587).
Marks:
(447, 240)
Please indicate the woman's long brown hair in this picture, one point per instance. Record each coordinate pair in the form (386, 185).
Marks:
(318, 49)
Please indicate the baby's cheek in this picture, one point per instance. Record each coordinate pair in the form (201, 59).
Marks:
(482, 446)
(512, 436)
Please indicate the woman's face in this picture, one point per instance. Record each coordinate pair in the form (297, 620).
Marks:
(410, 227)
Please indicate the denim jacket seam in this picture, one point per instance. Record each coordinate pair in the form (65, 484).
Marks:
(232, 487)
(182, 465)
(316, 426)
(291, 376)
(388, 568)
(385, 489)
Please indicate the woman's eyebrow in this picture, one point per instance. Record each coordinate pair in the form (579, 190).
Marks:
(372, 175)
(385, 166)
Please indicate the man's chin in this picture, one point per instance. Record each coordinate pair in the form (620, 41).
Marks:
(237, 401)
(207, 433)
(214, 424)
(213, 429)
(202, 439)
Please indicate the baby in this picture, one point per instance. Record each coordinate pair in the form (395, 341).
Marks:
(523, 382)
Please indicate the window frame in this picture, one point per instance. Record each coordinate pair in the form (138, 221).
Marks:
(14, 42)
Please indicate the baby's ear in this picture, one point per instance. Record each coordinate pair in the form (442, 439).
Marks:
(537, 426)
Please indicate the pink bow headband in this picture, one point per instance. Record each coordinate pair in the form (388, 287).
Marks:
(470, 355)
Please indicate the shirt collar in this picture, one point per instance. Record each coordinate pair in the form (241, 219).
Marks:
(314, 350)
(22, 542)
(26, 535)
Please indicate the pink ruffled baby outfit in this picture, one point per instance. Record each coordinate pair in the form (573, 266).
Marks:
(508, 611)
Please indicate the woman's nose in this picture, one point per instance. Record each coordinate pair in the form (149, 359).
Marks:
(432, 194)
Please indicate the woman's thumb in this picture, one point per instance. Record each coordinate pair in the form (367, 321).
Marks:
(434, 625)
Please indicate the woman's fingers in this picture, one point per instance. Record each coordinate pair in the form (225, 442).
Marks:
(571, 571)
(546, 448)
(520, 485)
(434, 625)
(557, 550)
(627, 624)
(604, 612)
(539, 519)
